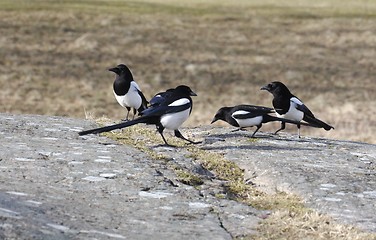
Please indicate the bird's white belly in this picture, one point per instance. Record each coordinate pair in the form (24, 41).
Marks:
(131, 99)
(173, 121)
(249, 122)
(292, 113)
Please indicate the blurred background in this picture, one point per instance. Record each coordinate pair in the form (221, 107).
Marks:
(55, 56)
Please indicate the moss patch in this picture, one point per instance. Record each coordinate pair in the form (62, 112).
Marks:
(188, 178)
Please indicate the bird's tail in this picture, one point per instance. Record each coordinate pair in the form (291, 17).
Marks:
(113, 127)
(317, 123)
(141, 109)
(144, 104)
(269, 118)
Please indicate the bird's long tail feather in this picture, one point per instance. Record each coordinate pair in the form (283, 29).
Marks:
(269, 118)
(112, 127)
(317, 123)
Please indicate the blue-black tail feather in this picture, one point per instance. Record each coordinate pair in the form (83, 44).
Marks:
(113, 127)
(268, 118)
(317, 123)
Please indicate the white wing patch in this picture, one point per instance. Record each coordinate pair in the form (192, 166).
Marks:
(239, 112)
(179, 102)
(293, 113)
(247, 122)
(135, 86)
(296, 101)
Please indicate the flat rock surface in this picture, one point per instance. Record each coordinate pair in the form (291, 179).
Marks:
(334, 177)
(57, 185)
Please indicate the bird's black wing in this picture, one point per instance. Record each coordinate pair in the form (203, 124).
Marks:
(170, 101)
(304, 109)
(161, 97)
(145, 102)
(309, 117)
(252, 111)
(163, 109)
(156, 100)
(301, 107)
(246, 115)
(247, 107)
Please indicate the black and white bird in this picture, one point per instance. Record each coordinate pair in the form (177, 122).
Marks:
(243, 116)
(170, 113)
(290, 107)
(127, 92)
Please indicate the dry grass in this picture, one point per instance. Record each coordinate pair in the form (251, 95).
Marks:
(56, 55)
(287, 224)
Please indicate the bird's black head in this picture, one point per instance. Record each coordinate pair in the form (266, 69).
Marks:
(276, 88)
(185, 90)
(122, 70)
(221, 114)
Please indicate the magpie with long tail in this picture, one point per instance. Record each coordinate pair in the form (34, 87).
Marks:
(290, 107)
(170, 113)
(243, 116)
(127, 92)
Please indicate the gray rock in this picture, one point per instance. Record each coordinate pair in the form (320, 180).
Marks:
(334, 177)
(57, 185)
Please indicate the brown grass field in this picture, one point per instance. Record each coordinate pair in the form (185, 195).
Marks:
(55, 56)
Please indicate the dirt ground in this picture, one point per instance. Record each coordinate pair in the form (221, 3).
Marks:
(55, 57)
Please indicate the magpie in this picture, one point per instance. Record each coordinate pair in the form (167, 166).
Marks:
(127, 92)
(290, 107)
(243, 116)
(170, 113)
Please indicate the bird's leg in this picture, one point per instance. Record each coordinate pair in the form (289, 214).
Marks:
(258, 127)
(160, 129)
(126, 118)
(166, 141)
(238, 129)
(283, 126)
(298, 125)
(134, 113)
(179, 135)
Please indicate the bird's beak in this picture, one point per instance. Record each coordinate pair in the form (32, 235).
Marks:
(266, 87)
(115, 70)
(193, 93)
(214, 120)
